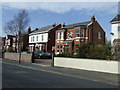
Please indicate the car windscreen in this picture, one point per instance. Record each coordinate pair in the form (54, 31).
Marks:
(39, 52)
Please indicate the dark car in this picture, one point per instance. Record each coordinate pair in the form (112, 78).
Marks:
(40, 54)
(48, 55)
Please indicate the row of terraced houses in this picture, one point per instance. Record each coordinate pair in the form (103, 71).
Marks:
(62, 38)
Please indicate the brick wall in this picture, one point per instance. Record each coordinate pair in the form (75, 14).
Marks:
(51, 38)
(15, 56)
(94, 29)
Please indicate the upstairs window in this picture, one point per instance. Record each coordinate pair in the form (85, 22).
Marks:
(83, 33)
(33, 39)
(99, 35)
(36, 38)
(118, 28)
(42, 38)
(60, 35)
(77, 33)
(70, 34)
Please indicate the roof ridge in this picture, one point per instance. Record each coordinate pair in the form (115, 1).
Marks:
(79, 22)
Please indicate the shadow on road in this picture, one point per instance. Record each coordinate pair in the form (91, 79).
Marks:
(44, 61)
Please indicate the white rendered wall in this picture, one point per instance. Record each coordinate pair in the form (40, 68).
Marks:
(39, 38)
(88, 64)
(115, 31)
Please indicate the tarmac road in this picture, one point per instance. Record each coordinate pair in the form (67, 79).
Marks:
(27, 75)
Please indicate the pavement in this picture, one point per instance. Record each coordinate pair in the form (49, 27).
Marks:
(52, 76)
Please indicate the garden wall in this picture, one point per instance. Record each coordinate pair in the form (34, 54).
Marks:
(15, 56)
(88, 64)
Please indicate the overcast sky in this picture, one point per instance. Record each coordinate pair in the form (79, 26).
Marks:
(47, 13)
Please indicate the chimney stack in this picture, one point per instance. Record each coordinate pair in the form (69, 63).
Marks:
(93, 18)
(63, 24)
(54, 24)
(29, 29)
(36, 29)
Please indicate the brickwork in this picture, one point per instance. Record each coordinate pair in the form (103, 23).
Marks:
(15, 56)
(79, 35)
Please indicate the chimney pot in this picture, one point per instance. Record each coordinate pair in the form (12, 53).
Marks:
(93, 18)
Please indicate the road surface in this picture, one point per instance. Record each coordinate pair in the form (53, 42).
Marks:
(26, 75)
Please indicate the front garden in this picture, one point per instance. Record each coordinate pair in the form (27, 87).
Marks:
(93, 51)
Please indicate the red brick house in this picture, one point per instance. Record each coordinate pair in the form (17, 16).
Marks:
(116, 41)
(43, 38)
(69, 37)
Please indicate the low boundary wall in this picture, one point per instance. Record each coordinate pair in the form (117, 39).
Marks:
(88, 64)
(15, 56)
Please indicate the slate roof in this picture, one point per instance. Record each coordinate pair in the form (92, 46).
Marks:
(43, 29)
(76, 24)
(117, 18)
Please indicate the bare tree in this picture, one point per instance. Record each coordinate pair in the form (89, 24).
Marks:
(18, 23)
(17, 27)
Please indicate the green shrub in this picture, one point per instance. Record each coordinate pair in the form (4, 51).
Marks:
(93, 51)
(64, 55)
(10, 49)
(116, 52)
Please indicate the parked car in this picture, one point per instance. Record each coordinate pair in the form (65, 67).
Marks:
(40, 54)
(24, 52)
(48, 55)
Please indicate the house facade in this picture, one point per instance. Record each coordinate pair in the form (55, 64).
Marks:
(2, 43)
(115, 30)
(11, 42)
(69, 37)
(43, 38)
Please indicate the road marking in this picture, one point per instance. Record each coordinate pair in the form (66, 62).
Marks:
(59, 73)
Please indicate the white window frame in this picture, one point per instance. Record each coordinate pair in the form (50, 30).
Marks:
(33, 38)
(37, 38)
(42, 37)
(99, 35)
(60, 35)
(118, 29)
(70, 33)
(83, 33)
(77, 33)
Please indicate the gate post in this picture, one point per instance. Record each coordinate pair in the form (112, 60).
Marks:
(52, 64)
